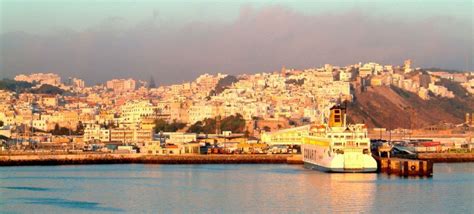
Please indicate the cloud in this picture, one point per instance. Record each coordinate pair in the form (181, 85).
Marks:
(258, 40)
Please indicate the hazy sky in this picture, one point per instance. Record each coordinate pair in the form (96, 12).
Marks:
(177, 40)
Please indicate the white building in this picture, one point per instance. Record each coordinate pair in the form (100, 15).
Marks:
(134, 111)
(201, 111)
(95, 132)
(121, 85)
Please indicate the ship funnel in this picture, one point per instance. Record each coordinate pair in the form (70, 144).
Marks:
(337, 116)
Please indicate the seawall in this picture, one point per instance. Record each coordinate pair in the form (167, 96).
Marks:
(446, 157)
(70, 159)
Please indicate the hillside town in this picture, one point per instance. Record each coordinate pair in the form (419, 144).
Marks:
(242, 113)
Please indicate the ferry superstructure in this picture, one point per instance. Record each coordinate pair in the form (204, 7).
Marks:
(338, 147)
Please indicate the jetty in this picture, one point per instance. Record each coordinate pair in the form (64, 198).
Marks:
(411, 166)
(405, 167)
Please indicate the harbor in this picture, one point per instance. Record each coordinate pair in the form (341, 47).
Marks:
(229, 188)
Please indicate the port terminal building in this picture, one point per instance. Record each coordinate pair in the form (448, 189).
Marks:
(291, 136)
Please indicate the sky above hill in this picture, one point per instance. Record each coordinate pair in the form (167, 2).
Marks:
(175, 41)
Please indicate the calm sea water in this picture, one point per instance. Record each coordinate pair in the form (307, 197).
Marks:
(229, 189)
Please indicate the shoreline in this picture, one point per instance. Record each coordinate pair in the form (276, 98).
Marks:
(446, 157)
(79, 159)
(111, 158)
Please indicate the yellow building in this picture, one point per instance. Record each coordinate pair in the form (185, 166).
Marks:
(49, 100)
(155, 148)
(376, 81)
(147, 123)
(180, 137)
(150, 147)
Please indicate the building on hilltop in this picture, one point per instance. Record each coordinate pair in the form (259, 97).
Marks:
(407, 66)
(121, 85)
(49, 78)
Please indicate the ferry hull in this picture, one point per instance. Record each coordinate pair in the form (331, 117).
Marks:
(353, 160)
(338, 170)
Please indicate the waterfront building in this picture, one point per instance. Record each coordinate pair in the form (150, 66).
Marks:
(130, 135)
(150, 147)
(291, 136)
(157, 148)
(178, 137)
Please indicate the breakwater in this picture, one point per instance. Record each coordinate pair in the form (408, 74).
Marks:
(446, 157)
(68, 159)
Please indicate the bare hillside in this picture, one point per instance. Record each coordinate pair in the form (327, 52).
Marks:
(392, 107)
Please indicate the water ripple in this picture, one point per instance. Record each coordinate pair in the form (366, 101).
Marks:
(38, 189)
(70, 204)
(74, 178)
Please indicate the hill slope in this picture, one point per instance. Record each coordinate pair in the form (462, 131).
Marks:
(391, 107)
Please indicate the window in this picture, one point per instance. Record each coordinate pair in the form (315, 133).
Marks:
(337, 118)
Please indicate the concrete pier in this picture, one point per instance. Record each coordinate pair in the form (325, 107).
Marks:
(446, 157)
(295, 159)
(405, 167)
(21, 160)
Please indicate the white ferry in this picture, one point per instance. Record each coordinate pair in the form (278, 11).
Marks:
(337, 147)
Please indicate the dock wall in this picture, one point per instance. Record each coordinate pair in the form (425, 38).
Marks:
(446, 157)
(405, 167)
(21, 160)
